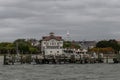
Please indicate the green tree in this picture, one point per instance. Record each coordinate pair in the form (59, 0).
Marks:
(103, 44)
(22, 45)
(25, 46)
(33, 50)
(110, 43)
(67, 44)
(6, 47)
(71, 45)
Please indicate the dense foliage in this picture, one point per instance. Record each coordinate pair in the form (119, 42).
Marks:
(110, 43)
(19, 45)
(6, 47)
(102, 50)
(70, 45)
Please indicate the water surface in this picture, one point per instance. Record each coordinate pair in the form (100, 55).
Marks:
(60, 72)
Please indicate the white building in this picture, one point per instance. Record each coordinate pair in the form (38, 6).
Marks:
(52, 45)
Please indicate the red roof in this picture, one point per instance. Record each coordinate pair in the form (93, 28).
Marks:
(47, 38)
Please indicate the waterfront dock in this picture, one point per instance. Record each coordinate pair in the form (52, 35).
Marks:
(51, 59)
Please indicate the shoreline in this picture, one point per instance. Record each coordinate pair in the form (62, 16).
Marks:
(12, 60)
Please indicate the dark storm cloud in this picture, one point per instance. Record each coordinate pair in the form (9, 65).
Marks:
(85, 19)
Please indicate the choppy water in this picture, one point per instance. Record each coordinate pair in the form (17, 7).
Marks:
(60, 72)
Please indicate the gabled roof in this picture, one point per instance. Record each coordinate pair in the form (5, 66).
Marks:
(47, 38)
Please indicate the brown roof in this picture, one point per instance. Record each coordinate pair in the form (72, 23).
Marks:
(47, 38)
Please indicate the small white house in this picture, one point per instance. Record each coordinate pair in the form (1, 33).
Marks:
(52, 45)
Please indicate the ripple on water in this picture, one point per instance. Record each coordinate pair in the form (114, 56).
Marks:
(60, 72)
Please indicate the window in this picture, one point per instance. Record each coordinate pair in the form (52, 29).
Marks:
(44, 42)
(50, 51)
(57, 51)
(52, 43)
(58, 44)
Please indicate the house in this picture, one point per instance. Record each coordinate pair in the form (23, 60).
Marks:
(87, 44)
(52, 45)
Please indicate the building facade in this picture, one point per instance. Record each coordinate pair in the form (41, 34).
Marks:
(52, 45)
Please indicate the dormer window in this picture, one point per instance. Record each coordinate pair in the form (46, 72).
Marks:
(52, 43)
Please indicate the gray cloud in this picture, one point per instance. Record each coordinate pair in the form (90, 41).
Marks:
(85, 19)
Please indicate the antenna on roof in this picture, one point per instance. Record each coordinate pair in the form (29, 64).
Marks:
(68, 36)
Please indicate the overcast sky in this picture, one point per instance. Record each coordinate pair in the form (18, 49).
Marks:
(84, 19)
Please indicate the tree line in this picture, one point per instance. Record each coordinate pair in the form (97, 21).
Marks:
(25, 47)
(19, 45)
(107, 46)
